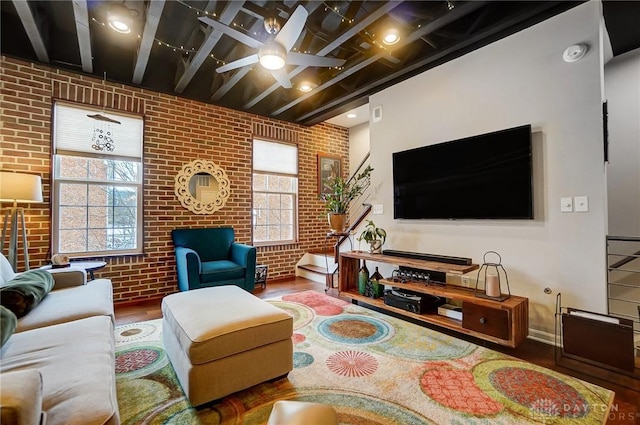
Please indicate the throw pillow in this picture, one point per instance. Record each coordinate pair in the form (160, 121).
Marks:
(25, 291)
(6, 271)
(8, 323)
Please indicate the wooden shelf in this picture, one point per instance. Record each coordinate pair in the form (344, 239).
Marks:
(410, 262)
(504, 323)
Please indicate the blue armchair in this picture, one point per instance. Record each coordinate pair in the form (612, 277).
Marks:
(210, 257)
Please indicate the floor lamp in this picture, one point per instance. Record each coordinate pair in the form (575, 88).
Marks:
(18, 187)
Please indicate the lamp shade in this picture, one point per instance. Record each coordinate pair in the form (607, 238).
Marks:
(19, 187)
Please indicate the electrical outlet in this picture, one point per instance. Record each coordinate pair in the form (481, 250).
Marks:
(466, 281)
(378, 209)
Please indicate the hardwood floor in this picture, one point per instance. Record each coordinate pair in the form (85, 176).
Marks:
(626, 406)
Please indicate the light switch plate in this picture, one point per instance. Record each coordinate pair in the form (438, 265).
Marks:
(581, 203)
(566, 204)
(378, 209)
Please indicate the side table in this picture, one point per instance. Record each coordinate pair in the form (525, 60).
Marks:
(88, 266)
(338, 235)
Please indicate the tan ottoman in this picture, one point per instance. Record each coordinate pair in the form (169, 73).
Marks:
(223, 339)
(302, 413)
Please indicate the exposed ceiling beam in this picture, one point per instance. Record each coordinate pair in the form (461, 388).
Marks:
(230, 82)
(450, 17)
(255, 11)
(81, 15)
(197, 29)
(344, 37)
(31, 27)
(239, 74)
(316, 116)
(226, 17)
(154, 12)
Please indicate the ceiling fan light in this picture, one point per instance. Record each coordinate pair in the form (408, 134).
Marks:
(119, 19)
(272, 56)
(272, 62)
(391, 37)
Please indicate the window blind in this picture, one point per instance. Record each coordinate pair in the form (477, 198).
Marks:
(275, 157)
(87, 129)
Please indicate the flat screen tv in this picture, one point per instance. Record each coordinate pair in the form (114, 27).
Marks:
(481, 177)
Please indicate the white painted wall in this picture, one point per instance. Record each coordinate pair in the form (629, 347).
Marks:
(358, 145)
(622, 91)
(518, 80)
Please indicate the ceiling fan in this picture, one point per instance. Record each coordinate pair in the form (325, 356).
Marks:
(275, 53)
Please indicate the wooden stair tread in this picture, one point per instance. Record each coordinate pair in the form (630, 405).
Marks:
(315, 269)
(330, 252)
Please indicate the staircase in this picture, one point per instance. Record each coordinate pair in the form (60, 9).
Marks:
(321, 265)
(623, 281)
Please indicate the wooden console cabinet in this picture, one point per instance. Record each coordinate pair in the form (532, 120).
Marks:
(505, 323)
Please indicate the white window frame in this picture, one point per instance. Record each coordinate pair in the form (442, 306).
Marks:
(57, 181)
(295, 194)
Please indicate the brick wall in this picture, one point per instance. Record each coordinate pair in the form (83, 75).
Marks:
(177, 131)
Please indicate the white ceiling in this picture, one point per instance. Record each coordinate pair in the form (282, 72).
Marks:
(362, 116)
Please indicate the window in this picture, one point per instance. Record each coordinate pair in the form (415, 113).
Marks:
(275, 192)
(97, 181)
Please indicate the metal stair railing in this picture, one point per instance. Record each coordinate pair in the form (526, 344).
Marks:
(358, 210)
(623, 280)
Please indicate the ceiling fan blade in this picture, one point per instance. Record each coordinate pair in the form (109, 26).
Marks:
(242, 38)
(248, 60)
(282, 77)
(294, 58)
(292, 28)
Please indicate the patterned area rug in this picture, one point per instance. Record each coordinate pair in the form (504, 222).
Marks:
(374, 369)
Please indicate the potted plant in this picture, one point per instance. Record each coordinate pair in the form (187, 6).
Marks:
(338, 195)
(374, 236)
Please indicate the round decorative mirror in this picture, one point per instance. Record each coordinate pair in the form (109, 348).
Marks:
(202, 187)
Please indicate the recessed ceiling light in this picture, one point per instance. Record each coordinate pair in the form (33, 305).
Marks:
(119, 19)
(305, 86)
(351, 115)
(391, 37)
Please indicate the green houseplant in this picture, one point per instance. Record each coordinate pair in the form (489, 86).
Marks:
(339, 193)
(374, 236)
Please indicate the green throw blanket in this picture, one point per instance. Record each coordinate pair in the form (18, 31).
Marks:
(25, 291)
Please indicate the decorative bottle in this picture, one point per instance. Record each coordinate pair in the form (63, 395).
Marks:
(363, 278)
(378, 288)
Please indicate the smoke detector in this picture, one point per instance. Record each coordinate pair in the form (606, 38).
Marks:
(575, 53)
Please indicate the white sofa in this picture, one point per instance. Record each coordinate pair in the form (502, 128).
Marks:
(59, 365)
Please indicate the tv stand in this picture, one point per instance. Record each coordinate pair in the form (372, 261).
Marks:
(505, 323)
